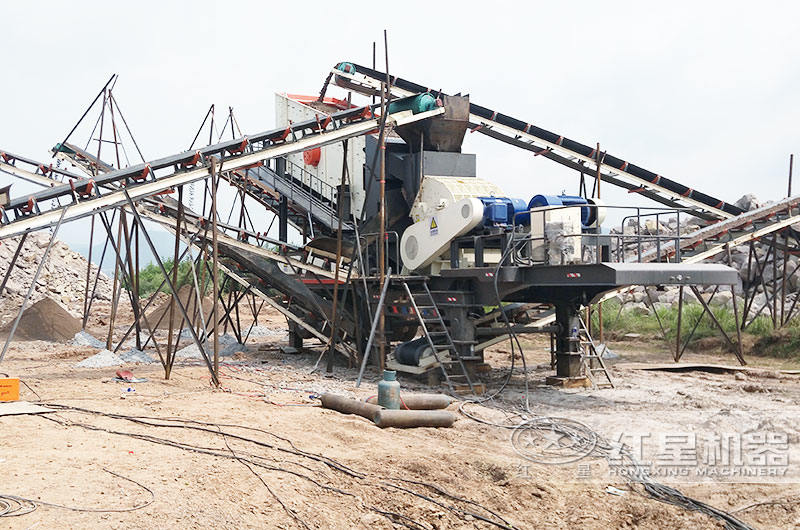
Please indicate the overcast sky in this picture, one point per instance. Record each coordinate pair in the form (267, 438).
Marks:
(705, 93)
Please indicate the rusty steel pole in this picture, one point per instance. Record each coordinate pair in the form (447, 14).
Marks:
(374, 67)
(86, 305)
(600, 334)
(678, 327)
(170, 354)
(598, 175)
(775, 320)
(382, 231)
(133, 271)
(340, 198)
(215, 270)
(115, 293)
(382, 234)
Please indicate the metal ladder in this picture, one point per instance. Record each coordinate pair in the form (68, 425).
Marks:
(435, 331)
(590, 355)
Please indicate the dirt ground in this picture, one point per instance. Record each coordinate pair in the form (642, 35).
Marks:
(261, 453)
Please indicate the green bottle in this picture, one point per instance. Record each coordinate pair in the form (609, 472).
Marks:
(389, 391)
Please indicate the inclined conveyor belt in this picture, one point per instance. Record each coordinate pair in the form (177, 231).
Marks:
(498, 125)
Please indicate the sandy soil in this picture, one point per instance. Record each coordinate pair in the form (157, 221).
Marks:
(267, 456)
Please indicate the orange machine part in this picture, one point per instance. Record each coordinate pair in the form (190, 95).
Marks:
(312, 157)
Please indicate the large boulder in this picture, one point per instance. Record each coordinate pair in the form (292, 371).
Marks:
(638, 308)
(748, 202)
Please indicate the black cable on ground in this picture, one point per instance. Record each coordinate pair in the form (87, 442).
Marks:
(3, 374)
(400, 519)
(11, 506)
(590, 443)
(245, 463)
(450, 507)
(189, 424)
(31, 389)
(200, 450)
(200, 426)
(14, 505)
(788, 501)
(444, 493)
(600, 446)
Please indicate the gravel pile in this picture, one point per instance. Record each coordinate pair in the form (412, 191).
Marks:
(102, 359)
(186, 294)
(44, 320)
(228, 346)
(82, 338)
(264, 331)
(63, 278)
(105, 358)
(136, 356)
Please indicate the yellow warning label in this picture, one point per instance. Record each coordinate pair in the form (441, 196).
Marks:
(434, 227)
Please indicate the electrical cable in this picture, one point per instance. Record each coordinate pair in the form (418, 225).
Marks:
(199, 450)
(444, 493)
(788, 501)
(513, 338)
(478, 516)
(288, 510)
(201, 426)
(14, 505)
(369, 479)
(392, 516)
(589, 438)
(31, 389)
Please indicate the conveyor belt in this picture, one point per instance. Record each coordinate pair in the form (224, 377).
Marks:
(145, 180)
(235, 247)
(245, 150)
(33, 171)
(713, 239)
(515, 131)
(231, 250)
(195, 227)
(259, 182)
(87, 161)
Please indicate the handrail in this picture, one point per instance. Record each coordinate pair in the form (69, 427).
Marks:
(311, 181)
(367, 244)
(622, 241)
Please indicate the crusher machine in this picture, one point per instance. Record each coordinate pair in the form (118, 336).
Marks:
(469, 265)
(460, 249)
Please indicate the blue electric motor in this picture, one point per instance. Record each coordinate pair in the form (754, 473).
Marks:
(520, 207)
(587, 215)
(501, 210)
(495, 210)
(544, 200)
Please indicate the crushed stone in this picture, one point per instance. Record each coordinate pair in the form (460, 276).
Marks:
(102, 359)
(227, 341)
(82, 338)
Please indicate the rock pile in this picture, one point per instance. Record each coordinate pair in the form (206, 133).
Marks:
(645, 300)
(228, 346)
(63, 278)
(45, 320)
(105, 358)
(159, 316)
